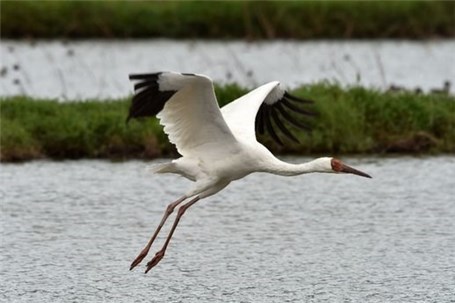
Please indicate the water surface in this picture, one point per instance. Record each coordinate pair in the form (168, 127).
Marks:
(99, 69)
(70, 230)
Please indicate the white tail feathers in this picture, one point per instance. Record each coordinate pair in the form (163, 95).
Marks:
(162, 168)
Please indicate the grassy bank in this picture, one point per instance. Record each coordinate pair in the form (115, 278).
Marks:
(228, 19)
(354, 120)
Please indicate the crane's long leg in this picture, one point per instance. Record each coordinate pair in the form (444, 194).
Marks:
(160, 254)
(144, 252)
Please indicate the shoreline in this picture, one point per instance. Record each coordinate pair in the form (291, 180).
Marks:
(351, 121)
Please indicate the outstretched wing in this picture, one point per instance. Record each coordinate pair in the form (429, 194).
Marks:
(187, 108)
(267, 109)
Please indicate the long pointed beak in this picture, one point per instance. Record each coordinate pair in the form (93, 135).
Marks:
(350, 170)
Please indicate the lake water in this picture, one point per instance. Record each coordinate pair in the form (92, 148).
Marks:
(99, 69)
(71, 229)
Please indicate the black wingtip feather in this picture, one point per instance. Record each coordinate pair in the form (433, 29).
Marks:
(145, 83)
(294, 98)
(281, 126)
(148, 100)
(153, 76)
(260, 120)
(282, 115)
(290, 119)
(299, 110)
(269, 126)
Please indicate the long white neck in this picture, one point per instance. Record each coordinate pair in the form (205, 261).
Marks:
(319, 165)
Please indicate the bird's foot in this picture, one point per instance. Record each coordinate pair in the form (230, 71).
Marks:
(139, 258)
(156, 259)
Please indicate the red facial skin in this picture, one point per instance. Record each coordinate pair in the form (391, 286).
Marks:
(337, 165)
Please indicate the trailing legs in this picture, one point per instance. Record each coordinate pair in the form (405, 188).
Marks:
(144, 252)
(160, 254)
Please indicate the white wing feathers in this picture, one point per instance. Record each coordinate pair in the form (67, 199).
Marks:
(187, 108)
(265, 109)
(191, 116)
(241, 113)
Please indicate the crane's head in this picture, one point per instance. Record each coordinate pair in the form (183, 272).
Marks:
(339, 167)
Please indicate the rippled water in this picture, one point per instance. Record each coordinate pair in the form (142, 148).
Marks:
(99, 69)
(70, 230)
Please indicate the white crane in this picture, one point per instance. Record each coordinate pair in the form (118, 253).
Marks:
(218, 145)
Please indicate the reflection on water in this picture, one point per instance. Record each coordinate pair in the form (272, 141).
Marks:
(99, 69)
(70, 230)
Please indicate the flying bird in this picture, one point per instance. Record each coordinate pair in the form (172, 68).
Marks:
(218, 146)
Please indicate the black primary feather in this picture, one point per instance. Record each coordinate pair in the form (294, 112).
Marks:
(139, 85)
(153, 76)
(296, 109)
(269, 126)
(260, 120)
(291, 119)
(291, 97)
(270, 115)
(148, 99)
(281, 126)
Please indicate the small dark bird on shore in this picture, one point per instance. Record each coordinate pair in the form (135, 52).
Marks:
(445, 90)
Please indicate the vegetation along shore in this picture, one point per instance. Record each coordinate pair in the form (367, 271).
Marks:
(228, 19)
(352, 120)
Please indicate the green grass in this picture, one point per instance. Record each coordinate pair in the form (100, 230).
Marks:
(359, 120)
(227, 19)
(354, 120)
